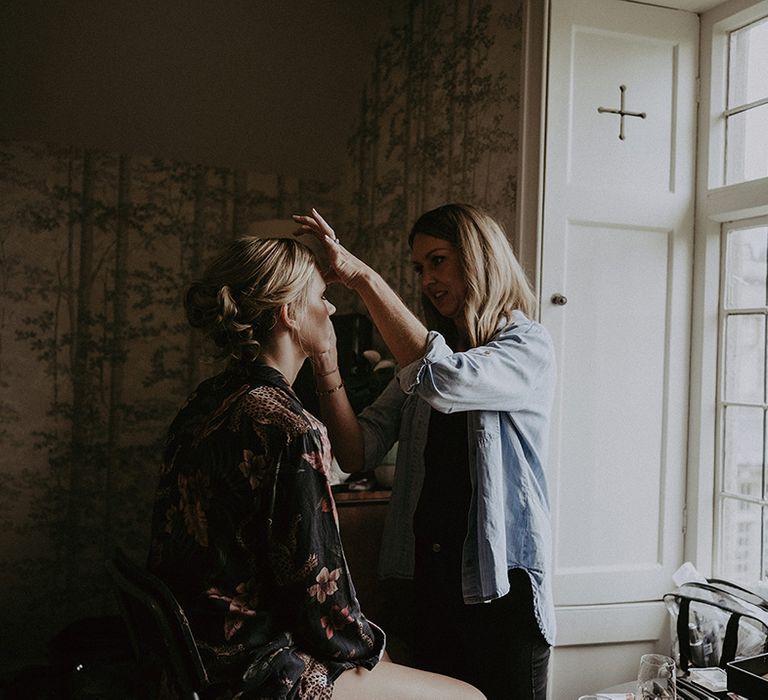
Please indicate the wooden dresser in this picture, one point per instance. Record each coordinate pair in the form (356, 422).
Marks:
(387, 603)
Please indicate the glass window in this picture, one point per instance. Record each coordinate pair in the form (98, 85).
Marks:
(746, 116)
(748, 75)
(743, 404)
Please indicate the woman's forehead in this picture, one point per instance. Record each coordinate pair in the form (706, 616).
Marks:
(424, 245)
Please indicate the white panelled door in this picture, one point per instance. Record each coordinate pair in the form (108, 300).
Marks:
(616, 296)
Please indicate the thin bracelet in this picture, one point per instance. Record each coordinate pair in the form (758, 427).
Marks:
(325, 374)
(328, 392)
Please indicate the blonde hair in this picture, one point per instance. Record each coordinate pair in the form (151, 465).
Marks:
(495, 280)
(236, 301)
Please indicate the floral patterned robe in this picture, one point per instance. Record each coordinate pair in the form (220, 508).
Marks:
(245, 533)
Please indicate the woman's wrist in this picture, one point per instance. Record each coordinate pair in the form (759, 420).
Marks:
(328, 379)
(331, 389)
(326, 373)
(324, 363)
(364, 279)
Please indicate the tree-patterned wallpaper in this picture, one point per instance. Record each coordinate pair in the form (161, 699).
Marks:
(438, 122)
(96, 249)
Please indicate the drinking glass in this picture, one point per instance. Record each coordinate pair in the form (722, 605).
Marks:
(656, 678)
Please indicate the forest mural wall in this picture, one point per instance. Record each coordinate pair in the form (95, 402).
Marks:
(95, 251)
(439, 122)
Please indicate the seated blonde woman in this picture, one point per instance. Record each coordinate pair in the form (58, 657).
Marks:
(245, 530)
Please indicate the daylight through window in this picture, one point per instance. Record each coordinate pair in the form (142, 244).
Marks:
(746, 117)
(743, 400)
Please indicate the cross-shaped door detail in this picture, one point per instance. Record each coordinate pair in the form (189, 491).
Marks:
(621, 112)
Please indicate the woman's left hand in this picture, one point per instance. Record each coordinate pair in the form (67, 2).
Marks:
(345, 267)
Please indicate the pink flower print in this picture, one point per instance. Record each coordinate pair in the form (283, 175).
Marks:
(245, 600)
(328, 505)
(327, 626)
(252, 468)
(326, 584)
(241, 605)
(325, 444)
(315, 460)
(338, 618)
(194, 495)
(322, 431)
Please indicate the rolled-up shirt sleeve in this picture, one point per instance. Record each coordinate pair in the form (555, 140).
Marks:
(380, 423)
(501, 375)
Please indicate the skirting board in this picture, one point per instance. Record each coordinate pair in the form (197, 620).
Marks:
(609, 624)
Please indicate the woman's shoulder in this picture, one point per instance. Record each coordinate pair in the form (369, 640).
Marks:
(267, 405)
(519, 327)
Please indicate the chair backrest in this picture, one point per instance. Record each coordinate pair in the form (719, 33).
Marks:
(160, 633)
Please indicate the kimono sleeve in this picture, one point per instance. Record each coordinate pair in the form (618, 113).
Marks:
(307, 560)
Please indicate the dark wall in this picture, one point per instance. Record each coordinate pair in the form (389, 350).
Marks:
(262, 85)
(131, 142)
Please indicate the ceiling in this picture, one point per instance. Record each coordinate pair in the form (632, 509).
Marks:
(255, 84)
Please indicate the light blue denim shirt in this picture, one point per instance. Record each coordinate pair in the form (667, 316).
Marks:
(507, 388)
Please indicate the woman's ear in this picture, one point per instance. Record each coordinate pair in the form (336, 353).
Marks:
(285, 316)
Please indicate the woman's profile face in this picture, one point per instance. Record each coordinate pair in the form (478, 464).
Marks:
(315, 316)
(437, 262)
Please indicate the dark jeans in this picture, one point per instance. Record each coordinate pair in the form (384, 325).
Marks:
(496, 646)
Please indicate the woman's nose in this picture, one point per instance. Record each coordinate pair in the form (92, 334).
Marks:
(331, 308)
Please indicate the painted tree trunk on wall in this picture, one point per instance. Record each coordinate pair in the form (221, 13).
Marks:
(80, 464)
(118, 348)
(195, 246)
(373, 131)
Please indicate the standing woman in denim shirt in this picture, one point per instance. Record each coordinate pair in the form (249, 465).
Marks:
(469, 514)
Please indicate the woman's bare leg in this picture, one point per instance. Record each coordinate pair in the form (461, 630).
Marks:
(390, 681)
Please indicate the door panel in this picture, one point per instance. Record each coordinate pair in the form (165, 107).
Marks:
(614, 357)
(617, 243)
(645, 156)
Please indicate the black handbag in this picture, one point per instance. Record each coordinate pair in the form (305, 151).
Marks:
(716, 622)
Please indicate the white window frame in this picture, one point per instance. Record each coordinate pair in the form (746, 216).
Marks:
(716, 204)
(720, 496)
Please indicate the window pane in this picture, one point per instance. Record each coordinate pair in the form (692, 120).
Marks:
(746, 136)
(741, 544)
(745, 358)
(748, 70)
(743, 451)
(765, 543)
(746, 268)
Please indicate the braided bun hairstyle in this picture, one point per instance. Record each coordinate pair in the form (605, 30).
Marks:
(236, 301)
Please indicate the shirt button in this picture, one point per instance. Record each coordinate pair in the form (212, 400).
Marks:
(436, 547)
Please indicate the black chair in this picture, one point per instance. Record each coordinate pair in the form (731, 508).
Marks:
(162, 639)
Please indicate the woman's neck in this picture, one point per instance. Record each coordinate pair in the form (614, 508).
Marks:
(281, 353)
